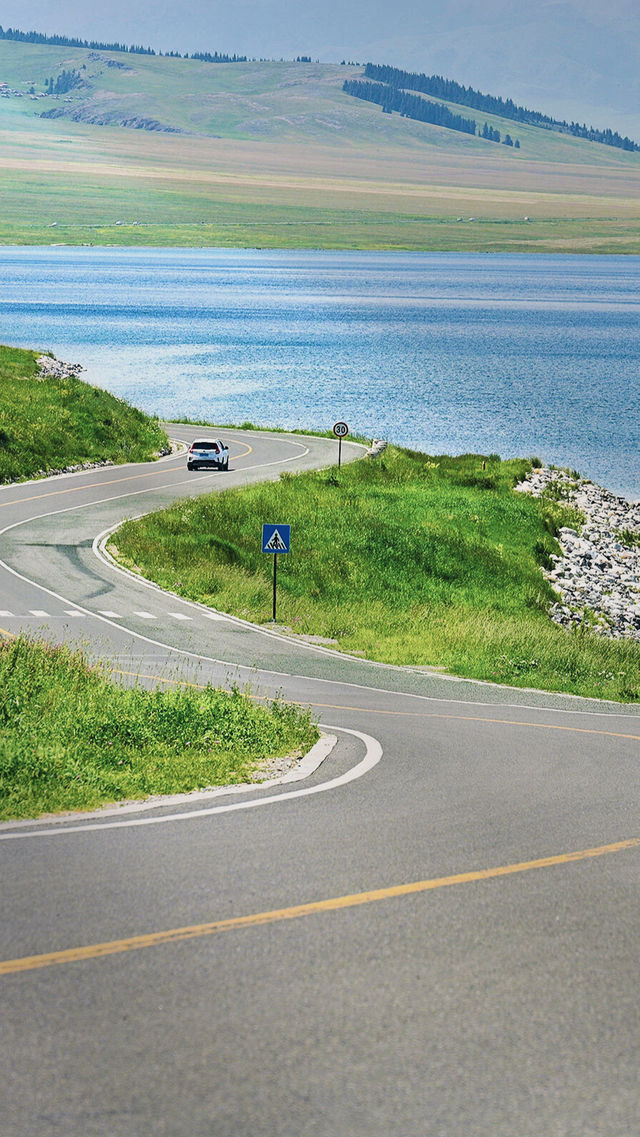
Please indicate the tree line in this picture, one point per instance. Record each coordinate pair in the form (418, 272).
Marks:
(454, 92)
(212, 57)
(410, 106)
(71, 41)
(423, 110)
(98, 45)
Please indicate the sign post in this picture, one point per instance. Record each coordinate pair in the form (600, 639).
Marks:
(341, 431)
(276, 539)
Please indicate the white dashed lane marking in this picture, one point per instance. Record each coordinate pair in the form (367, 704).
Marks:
(77, 613)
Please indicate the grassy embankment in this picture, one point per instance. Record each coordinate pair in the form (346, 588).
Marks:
(275, 155)
(409, 560)
(71, 739)
(47, 424)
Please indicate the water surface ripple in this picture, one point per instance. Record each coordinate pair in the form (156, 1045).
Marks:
(513, 354)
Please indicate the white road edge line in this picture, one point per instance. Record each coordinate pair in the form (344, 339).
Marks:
(100, 550)
(373, 754)
(307, 765)
(304, 450)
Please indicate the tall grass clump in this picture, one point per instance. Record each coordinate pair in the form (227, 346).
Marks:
(411, 560)
(48, 424)
(70, 738)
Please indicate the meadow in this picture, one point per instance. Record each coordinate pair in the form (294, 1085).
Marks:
(413, 560)
(275, 155)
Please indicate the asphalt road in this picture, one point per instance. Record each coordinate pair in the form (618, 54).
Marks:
(434, 935)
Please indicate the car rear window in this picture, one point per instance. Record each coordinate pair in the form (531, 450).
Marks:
(205, 446)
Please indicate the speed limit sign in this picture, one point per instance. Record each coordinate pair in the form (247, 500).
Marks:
(340, 429)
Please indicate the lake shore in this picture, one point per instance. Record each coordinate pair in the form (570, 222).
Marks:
(598, 570)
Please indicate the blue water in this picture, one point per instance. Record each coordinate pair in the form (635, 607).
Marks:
(441, 352)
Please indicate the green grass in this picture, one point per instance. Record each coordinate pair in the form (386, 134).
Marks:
(267, 227)
(47, 424)
(630, 538)
(409, 560)
(72, 739)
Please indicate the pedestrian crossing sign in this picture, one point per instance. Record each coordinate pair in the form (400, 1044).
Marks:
(276, 538)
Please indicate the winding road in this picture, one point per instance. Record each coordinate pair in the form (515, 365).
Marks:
(434, 934)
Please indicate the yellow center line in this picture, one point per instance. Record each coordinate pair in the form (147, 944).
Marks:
(482, 718)
(84, 486)
(101, 485)
(194, 931)
(402, 714)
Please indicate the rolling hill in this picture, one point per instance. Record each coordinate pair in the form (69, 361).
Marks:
(144, 149)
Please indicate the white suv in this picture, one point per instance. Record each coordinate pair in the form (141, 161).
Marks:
(210, 452)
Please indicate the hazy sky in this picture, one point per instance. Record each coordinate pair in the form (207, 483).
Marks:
(575, 58)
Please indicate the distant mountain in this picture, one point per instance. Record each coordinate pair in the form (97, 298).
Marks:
(109, 146)
(572, 59)
(393, 89)
(577, 59)
(585, 56)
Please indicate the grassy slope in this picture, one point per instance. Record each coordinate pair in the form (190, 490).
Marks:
(70, 739)
(410, 560)
(52, 423)
(279, 156)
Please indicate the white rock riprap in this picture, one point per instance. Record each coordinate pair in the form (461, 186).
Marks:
(51, 368)
(598, 573)
(378, 447)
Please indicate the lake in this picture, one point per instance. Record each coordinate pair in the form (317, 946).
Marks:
(512, 354)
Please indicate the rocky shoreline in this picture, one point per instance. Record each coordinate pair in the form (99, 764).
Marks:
(598, 571)
(52, 368)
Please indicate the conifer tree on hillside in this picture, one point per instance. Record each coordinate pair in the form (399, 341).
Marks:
(408, 105)
(453, 92)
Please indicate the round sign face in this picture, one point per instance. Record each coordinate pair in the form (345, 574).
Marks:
(340, 429)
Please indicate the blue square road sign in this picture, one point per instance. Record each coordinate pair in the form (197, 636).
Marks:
(276, 538)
